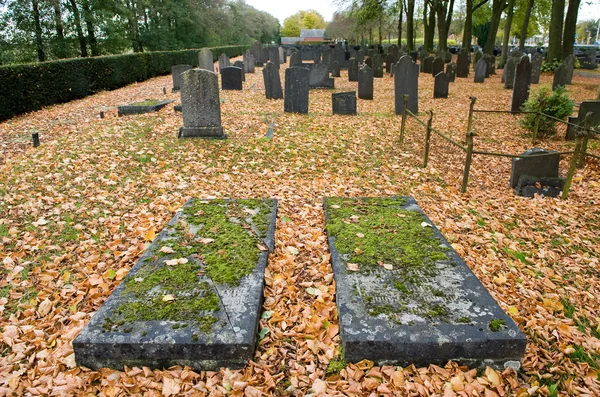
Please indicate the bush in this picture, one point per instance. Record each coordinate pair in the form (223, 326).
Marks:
(550, 66)
(555, 103)
(29, 87)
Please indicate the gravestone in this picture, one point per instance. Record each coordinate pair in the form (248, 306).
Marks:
(257, 52)
(365, 82)
(295, 59)
(422, 307)
(480, 71)
(296, 90)
(532, 165)
(140, 107)
(585, 108)
(200, 105)
(462, 63)
(521, 85)
(176, 71)
(319, 77)
(328, 56)
(569, 68)
(529, 186)
(206, 60)
(344, 103)
(361, 56)
(510, 68)
(440, 87)
(422, 55)
(414, 55)
(240, 65)
(560, 77)
(231, 78)
(272, 81)
(317, 56)
(223, 61)
(491, 65)
(187, 314)
(249, 62)
(393, 50)
(335, 69)
(477, 55)
(274, 56)
(264, 55)
(589, 61)
(389, 60)
(437, 66)
(340, 57)
(282, 58)
(536, 67)
(451, 72)
(377, 66)
(353, 70)
(571, 128)
(369, 61)
(406, 81)
(427, 64)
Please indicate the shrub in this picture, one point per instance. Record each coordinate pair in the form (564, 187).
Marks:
(550, 66)
(555, 103)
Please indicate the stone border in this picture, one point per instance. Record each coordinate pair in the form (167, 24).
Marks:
(137, 109)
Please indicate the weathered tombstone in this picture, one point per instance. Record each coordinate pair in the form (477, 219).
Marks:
(437, 66)
(249, 62)
(537, 60)
(510, 68)
(530, 186)
(406, 81)
(560, 77)
(589, 61)
(521, 85)
(240, 65)
(257, 52)
(422, 55)
(272, 81)
(393, 50)
(569, 68)
(264, 55)
(200, 105)
(488, 67)
(335, 69)
(295, 59)
(377, 66)
(427, 64)
(353, 70)
(190, 313)
(571, 128)
(328, 56)
(369, 62)
(480, 71)
(451, 72)
(361, 56)
(477, 55)
(223, 61)
(176, 71)
(206, 60)
(491, 67)
(317, 56)
(344, 102)
(532, 164)
(296, 90)
(423, 307)
(462, 63)
(319, 77)
(365, 82)
(414, 55)
(231, 78)
(274, 56)
(281, 55)
(440, 86)
(585, 108)
(389, 60)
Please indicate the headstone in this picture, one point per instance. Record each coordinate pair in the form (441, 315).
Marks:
(437, 66)
(530, 163)
(377, 66)
(296, 90)
(424, 306)
(422, 55)
(319, 77)
(571, 128)
(510, 68)
(414, 55)
(274, 56)
(369, 62)
(589, 61)
(231, 78)
(530, 186)
(462, 63)
(344, 102)
(264, 55)
(440, 87)
(328, 56)
(537, 60)
(569, 68)
(249, 62)
(353, 70)
(200, 105)
(361, 56)
(480, 71)
(206, 60)
(451, 72)
(240, 65)
(560, 77)
(389, 60)
(272, 81)
(585, 108)
(176, 71)
(406, 81)
(393, 50)
(257, 52)
(427, 64)
(295, 59)
(521, 86)
(340, 57)
(491, 66)
(223, 61)
(365, 82)
(281, 55)
(335, 69)
(188, 314)
(477, 55)
(317, 56)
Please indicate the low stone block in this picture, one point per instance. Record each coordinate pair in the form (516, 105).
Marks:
(529, 186)
(142, 107)
(344, 102)
(405, 296)
(194, 298)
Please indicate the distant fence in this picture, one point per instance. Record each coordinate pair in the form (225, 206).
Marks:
(32, 86)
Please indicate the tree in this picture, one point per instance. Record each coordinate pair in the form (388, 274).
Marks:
(444, 9)
(497, 7)
(570, 28)
(309, 19)
(556, 26)
(507, 31)
(410, 24)
(79, 30)
(525, 25)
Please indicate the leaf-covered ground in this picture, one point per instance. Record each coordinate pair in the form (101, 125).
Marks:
(77, 212)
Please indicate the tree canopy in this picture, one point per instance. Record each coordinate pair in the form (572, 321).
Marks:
(309, 19)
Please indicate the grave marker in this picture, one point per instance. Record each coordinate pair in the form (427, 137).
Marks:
(296, 90)
(223, 62)
(200, 105)
(521, 85)
(440, 87)
(427, 64)
(295, 59)
(536, 67)
(569, 63)
(344, 103)
(560, 77)
(406, 81)
(451, 72)
(462, 63)
(510, 69)
(319, 77)
(534, 165)
(231, 78)
(240, 65)
(480, 71)
(437, 66)
(353, 70)
(274, 56)
(335, 69)
(176, 71)
(206, 60)
(272, 81)
(365, 82)
(377, 66)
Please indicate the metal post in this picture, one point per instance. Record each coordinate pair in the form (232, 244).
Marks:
(403, 126)
(536, 126)
(468, 160)
(35, 137)
(572, 167)
(427, 139)
(470, 121)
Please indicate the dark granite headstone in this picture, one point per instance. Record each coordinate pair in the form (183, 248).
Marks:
(200, 105)
(389, 60)
(451, 72)
(480, 71)
(569, 68)
(422, 55)
(223, 62)
(344, 102)
(571, 128)
(365, 82)
(360, 56)
(521, 86)
(377, 66)
(585, 108)
(317, 56)
(414, 55)
(296, 90)
(394, 51)
(257, 52)
(440, 87)
(560, 77)
(427, 64)
(406, 81)
(176, 71)
(282, 57)
(509, 71)
(462, 63)
(264, 54)
(396, 312)
(335, 69)
(589, 61)
(206, 60)
(272, 81)
(240, 64)
(538, 166)
(369, 62)
(537, 60)
(274, 56)
(295, 59)
(437, 66)
(231, 78)
(353, 70)
(328, 56)
(477, 55)
(319, 77)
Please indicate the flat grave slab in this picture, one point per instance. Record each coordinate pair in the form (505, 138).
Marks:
(146, 106)
(405, 296)
(194, 298)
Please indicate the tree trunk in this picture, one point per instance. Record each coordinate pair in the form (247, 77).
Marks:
(38, 31)
(444, 16)
(555, 34)
(381, 28)
(468, 32)
(428, 25)
(134, 31)
(400, 23)
(525, 26)
(507, 28)
(570, 28)
(89, 23)
(497, 8)
(410, 25)
(80, 36)
(60, 30)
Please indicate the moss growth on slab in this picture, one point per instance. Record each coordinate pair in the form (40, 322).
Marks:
(497, 324)
(147, 102)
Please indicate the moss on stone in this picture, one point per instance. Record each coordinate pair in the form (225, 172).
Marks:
(147, 102)
(497, 324)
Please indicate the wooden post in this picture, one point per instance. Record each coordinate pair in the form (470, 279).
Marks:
(572, 167)
(427, 139)
(470, 120)
(403, 126)
(585, 135)
(468, 161)
(35, 137)
(536, 126)
(101, 115)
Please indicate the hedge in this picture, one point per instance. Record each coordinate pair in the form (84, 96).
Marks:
(32, 86)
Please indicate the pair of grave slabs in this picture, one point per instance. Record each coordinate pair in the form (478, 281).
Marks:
(403, 294)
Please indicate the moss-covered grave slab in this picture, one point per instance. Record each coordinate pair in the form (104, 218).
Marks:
(405, 296)
(194, 298)
(142, 107)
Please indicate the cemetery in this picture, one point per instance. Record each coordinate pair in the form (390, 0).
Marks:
(322, 220)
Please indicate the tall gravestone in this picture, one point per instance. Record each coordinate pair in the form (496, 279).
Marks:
(406, 81)
(377, 66)
(231, 78)
(422, 55)
(361, 56)
(319, 77)
(394, 51)
(344, 103)
(240, 64)
(510, 68)
(176, 71)
(477, 55)
(272, 81)
(223, 61)
(281, 55)
(249, 62)
(200, 105)
(365, 82)
(389, 60)
(274, 56)
(537, 60)
(257, 52)
(328, 56)
(437, 66)
(462, 63)
(414, 55)
(264, 55)
(560, 77)
(480, 71)
(206, 60)
(569, 68)
(317, 56)
(295, 59)
(296, 90)
(522, 83)
(440, 85)
(335, 69)
(353, 70)
(451, 72)
(427, 64)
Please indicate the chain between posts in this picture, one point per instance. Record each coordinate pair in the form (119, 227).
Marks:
(403, 126)
(427, 139)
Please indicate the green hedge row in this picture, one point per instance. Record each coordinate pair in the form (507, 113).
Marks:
(29, 87)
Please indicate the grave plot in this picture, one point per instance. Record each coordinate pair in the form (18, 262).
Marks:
(405, 296)
(194, 298)
(146, 106)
